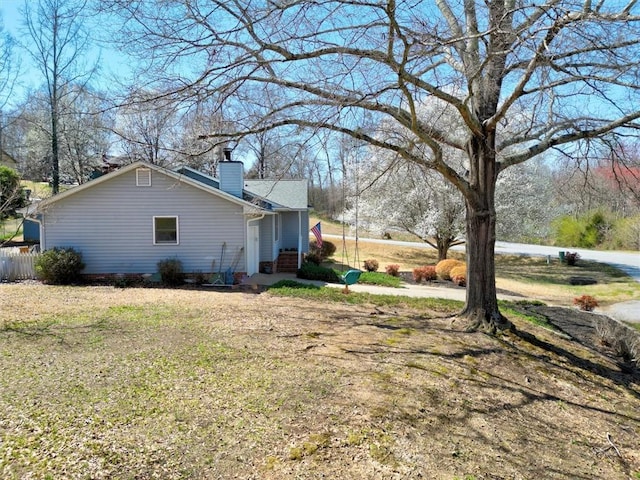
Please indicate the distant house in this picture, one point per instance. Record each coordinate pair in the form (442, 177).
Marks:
(128, 220)
(7, 160)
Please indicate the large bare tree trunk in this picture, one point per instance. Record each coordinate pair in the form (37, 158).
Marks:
(481, 308)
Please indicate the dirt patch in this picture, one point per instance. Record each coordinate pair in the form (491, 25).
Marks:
(97, 382)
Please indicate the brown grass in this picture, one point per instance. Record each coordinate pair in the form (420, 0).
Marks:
(100, 382)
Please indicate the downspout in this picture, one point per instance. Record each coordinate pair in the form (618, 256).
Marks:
(299, 239)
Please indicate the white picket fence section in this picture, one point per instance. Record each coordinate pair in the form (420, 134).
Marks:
(17, 265)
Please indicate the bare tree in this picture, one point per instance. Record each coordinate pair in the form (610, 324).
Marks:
(83, 135)
(198, 149)
(570, 66)
(57, 43)
(148, 127)
(9, 68)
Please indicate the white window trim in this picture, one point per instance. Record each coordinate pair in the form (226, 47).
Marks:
(276, 227)
(143, 181)
(177, 242)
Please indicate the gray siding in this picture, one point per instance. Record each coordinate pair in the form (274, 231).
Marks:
(112, 225)
(289, 238)
(268, 251)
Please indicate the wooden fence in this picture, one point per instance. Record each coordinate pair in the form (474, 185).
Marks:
(17, 265)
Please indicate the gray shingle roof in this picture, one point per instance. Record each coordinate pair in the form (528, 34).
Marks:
(287, 193)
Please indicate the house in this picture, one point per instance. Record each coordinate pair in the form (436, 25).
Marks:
(7, 160)
(128, 220)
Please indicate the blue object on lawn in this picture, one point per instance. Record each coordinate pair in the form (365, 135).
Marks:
(351, 277)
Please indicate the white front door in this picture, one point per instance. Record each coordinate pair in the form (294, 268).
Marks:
(253, 249)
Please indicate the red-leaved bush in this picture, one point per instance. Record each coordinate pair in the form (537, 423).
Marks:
(393, 270)
(426, 273)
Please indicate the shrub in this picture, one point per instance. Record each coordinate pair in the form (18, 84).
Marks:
(587, 231)
(393, 270)
(199, 278)
(311, 271)
(585, 302)
(443, 268)
(122, 281)
(171, 272)
(371, 265)
(426, 273)
(59, 266)
(12, 195)
(459, 275)
(571, 258)
(328, 249)
(313, 258)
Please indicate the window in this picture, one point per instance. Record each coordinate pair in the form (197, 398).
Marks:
(165, 231)
(276, 227)
(143, 177)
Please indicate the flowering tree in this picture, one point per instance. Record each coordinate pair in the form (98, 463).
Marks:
(407, 198)
(525, 206)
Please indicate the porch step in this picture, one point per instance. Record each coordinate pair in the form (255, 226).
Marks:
(288, 262)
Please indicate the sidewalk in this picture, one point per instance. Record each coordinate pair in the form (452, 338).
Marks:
(407, 290)
(624, 312)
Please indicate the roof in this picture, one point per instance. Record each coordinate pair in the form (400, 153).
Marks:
(290, 194)
(249, 207)
(280, 194)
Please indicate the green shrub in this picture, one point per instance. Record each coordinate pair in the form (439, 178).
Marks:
(12, 195)
(371, 265)
(625, 234)
(586, 231)
(311, 271)
(59, 266)
(171, 272)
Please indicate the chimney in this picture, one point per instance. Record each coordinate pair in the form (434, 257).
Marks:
(231, 174)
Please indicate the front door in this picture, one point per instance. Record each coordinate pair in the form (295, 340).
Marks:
(253, 249)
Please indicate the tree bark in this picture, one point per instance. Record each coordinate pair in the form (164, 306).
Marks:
(481, 307)
(443, 249)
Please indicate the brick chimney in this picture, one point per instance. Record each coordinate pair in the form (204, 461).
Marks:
(231, 174)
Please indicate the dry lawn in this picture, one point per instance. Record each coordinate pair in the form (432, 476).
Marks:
(98, 382)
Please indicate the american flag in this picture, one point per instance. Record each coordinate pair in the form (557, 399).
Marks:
(318, 234)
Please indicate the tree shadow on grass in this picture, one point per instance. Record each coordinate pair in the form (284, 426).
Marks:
(430, 401)
(626, 376)
(52, 329)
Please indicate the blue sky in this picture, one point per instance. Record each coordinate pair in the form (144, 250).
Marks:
(110, 61)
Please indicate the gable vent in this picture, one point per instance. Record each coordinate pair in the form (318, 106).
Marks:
(143, 177)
